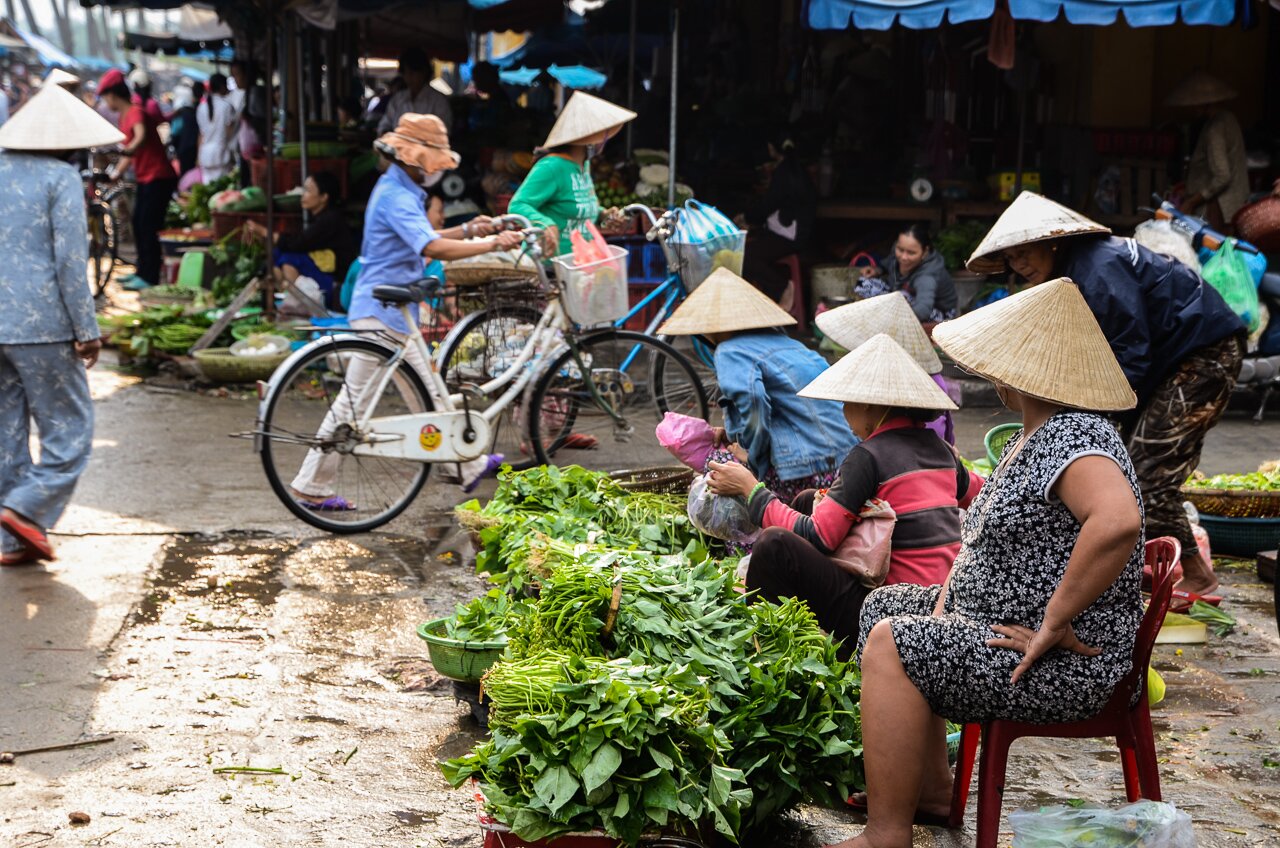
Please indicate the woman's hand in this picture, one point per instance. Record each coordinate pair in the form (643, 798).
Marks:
(88, 351)
(551, 241)
(1033, 644)
(729, 478)
(506, 240)
(483, 225)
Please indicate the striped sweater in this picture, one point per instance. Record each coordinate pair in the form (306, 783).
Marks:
(913, 470)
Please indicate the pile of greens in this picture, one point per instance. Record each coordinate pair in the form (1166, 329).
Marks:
(192, 209)
(641, 691)
(483, 620)
(573, 504)
(169, 329)
(1254, 482)
(238, 263)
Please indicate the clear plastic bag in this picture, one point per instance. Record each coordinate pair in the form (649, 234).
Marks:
(1146, 824)
(721, 516)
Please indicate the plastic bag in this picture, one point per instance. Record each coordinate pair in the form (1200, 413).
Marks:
(689, 439)
(1228, 273)
(1146, 824)
(722, 516)
(1164, 238)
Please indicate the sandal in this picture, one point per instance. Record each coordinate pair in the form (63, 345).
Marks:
(858, 803)
(37, 543)
(15, 558)
(491, 467)
(579, 441)
(1182, 600)
(333, 504)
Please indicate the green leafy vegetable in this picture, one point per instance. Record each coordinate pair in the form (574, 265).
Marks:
(1219, 623)
(1254, 482)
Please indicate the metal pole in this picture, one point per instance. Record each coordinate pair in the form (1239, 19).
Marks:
(304, 93)
(675, 100)
(1022, 140)
(631, 73)
(268, 288)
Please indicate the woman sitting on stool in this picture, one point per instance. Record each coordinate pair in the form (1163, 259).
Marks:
(325, 248)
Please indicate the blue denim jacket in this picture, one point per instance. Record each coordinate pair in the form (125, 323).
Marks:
(760, 372)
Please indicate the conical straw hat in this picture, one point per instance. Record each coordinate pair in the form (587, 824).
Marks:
(1044, 342)
(880, 372)
(60, 77)
(55, 119)
(1032, 217)
(851, 325)
(724, 303)
(583, 116)
(1200, 89)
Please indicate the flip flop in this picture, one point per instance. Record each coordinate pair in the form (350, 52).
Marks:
(579, 441)
(1182, 600)
(11, 559)
(858, 803)
(491, 467)
(31, 535)
(333, 504)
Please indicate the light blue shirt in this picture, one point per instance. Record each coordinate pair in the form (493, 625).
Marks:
(396, 230)
(44, 245)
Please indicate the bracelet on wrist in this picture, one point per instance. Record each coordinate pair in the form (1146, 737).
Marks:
(756, 488)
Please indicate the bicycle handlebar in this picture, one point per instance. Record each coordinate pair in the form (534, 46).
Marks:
(659, 226)
(512, 221)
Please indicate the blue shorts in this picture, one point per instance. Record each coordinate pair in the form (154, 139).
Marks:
(307, 268)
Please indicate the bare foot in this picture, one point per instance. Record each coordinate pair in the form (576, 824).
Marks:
(865, 840)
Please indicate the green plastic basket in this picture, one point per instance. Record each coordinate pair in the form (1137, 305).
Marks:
(455, 659)
(1241, 536)
(993, 456)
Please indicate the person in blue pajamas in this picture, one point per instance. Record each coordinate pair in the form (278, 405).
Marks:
(49, 333)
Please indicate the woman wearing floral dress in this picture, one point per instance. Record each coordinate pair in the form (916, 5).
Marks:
(1037, 620)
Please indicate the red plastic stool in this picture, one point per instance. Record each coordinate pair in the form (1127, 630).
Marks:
(796, 287)
(1131, 727)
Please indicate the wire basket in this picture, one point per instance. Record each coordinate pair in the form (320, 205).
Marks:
(1241, 536)
(1234, 503)
(594, 292)
(220, 365)
(659, 479)
(457, 659)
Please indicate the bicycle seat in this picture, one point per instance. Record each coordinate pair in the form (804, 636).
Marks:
(414, 292)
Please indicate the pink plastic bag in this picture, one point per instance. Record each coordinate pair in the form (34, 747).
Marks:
(865, 552)
(689, 439)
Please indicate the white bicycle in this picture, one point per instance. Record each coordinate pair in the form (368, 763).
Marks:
(352, 410)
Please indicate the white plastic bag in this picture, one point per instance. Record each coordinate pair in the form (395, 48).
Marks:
(722, 516)
(1146, 824)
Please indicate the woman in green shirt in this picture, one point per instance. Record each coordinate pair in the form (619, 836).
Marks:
(558, 194)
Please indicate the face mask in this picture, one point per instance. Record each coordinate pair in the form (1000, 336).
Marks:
(430, 180)
(592, 150)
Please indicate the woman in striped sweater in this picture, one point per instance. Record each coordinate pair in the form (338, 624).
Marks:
(887, 398)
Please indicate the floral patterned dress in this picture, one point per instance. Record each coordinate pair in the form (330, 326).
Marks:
(1017, 540)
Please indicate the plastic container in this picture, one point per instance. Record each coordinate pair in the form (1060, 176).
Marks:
(1243, 537)
(996, 437)
(456, 659)
(596, 292)
(696, 261)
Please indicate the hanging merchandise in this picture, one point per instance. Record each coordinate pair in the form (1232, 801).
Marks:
(1001, 48)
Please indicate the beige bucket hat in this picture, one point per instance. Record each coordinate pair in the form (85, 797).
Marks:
(1032, 217)
(584, 116)
(1044, 342)
(879, 372)
(55, 119)
(853, 324)
(421, 141)
(725, 303)
(1200, 89)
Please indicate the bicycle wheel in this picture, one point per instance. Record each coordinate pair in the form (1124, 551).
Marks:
(480, 347)
(102, 247)
(604, 372)
(701, 356)
(310, 426)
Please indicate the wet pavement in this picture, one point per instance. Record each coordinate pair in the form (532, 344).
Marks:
(262, 684)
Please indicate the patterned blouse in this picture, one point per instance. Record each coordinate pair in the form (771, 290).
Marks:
(44, 287)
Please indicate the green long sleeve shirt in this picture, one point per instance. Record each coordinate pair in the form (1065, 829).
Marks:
(558, 193)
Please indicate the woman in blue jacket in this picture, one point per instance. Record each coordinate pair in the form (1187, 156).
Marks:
(1178, 342)
(789, 442)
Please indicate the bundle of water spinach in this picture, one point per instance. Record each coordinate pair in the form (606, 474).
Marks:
(641, 692)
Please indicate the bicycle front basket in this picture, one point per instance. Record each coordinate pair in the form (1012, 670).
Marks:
(596, 292)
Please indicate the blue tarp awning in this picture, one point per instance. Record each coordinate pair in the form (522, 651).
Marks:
(927, 14)
(50, 56)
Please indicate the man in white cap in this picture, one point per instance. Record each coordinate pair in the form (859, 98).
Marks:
(50, 333)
